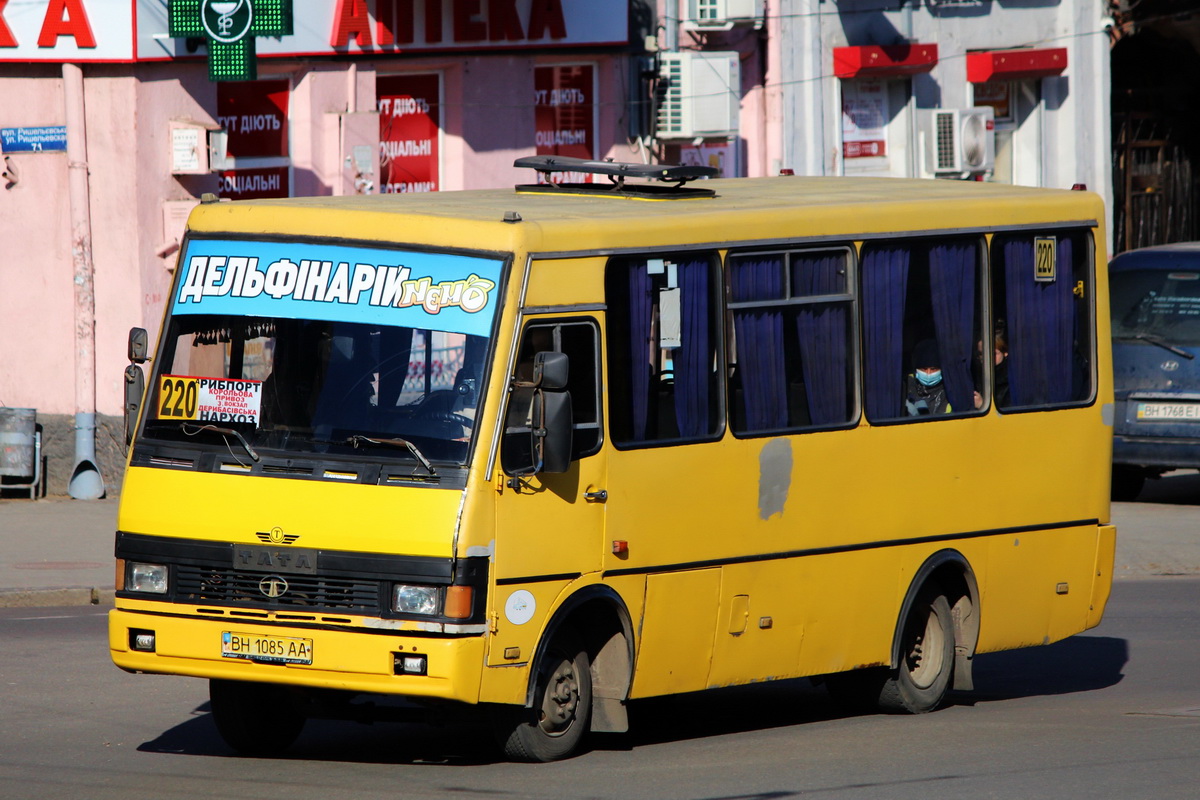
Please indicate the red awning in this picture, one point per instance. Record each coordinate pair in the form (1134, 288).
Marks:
(881, 61)
(1015, 65)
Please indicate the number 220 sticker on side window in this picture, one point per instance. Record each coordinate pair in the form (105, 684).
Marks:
(208, 399)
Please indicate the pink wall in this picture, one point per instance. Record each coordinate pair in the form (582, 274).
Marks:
(36, 290)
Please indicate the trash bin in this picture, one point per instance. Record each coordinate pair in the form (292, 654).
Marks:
(17, 456)
(20, 451)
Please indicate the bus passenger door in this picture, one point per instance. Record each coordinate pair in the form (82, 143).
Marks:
(549, 526)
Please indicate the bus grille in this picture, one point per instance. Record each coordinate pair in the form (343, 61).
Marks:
(214, 585)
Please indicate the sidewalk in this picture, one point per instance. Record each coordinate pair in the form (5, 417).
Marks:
(58, 551)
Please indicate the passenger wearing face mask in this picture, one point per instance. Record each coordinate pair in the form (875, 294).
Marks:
(924, 391)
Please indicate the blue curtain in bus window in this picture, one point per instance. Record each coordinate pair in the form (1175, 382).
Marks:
(952, 281)
(640, 347)
(1040, 326)
(759, 335)
(822, 331)
(884, 281)
(693, 360)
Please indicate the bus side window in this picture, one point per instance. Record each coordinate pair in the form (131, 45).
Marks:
(793, 356)
(579, 339)
(664, 348)
(922, 296)
(1042, 289)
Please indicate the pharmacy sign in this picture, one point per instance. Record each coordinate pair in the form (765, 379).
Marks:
(230, 28)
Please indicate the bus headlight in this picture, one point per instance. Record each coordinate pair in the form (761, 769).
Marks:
(409, 599)
(151, 578)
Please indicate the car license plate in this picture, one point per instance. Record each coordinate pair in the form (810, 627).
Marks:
(270, 649)
(1168, 411)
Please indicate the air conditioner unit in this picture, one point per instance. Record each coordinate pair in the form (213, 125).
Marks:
(721, 15)
(699, 94)
(959, 140)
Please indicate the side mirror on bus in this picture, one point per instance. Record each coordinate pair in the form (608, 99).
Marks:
(135, 380)
(139, 346)
(539, 425)
(550, 370)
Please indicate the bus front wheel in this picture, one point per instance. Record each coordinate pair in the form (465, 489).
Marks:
(255, 719)
(922, 679)
(562, 705)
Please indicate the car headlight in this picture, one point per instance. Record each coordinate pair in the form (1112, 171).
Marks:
(151, 578)
(409, 599)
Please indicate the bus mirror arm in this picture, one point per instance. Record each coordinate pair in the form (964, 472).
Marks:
(135, 387)
(135, 380)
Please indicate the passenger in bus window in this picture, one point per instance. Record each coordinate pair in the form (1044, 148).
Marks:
(924, 391)
(1000, 376)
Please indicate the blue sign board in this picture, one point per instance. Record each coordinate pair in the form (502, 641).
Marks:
(339, 283)
(46, 139)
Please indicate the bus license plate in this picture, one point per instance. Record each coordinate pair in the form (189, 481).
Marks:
(271, 649)
(1168, 411)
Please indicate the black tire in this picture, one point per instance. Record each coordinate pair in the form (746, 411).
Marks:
(562, 707)
(1127, 482)
(920, 683)
(255, 719)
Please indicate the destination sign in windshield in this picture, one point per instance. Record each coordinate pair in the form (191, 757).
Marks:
(337, 283)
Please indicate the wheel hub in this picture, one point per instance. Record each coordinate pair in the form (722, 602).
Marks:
(561, 702)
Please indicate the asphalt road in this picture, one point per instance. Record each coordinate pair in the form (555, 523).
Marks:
(1112, 713)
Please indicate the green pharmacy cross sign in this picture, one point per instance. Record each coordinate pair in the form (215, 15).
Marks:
(230, 27)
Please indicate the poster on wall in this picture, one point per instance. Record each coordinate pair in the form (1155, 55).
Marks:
(864, 119)
(409, 123)
(255, 118)
(565, 116)
(721, 156)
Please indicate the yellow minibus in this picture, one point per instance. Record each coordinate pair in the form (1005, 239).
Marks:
(545, 451)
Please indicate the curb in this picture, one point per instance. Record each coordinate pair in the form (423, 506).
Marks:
(47, 598)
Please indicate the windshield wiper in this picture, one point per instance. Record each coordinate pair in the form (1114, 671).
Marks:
(183, 426)
(358, 439)
(1157, 340)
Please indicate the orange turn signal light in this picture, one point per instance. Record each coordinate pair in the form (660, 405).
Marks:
(458, 602)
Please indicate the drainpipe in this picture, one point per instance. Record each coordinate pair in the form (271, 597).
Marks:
(86, 482)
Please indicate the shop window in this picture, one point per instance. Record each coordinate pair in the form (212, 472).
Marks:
(254, 115)
(792, 363)
(565, 114)
(921, 308)
(663, 345)
(409, 132)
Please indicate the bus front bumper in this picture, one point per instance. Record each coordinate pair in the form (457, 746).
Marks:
(356, 660)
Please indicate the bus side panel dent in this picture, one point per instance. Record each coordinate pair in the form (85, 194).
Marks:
(677, 632)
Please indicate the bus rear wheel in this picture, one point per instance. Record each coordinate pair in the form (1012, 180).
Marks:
(562, 706)
(255, 719)
(921, 681)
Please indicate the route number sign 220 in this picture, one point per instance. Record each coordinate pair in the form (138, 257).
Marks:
(179, 398)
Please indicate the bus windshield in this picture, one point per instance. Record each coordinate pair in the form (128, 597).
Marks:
(339, 349)
(1157, 305)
